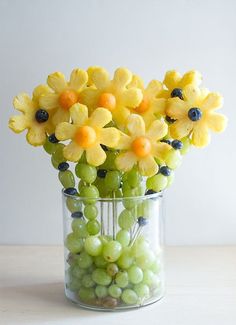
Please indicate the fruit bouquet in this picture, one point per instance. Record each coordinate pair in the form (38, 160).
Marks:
(116, 145)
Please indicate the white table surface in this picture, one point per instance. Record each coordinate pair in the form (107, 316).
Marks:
(201, 289)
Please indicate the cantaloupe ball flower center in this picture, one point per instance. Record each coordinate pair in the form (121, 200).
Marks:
(68, 98)
(143, 107)
(85, 136)
(141, 146)
(108, 101)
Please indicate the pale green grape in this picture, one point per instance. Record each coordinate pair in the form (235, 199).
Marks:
(100, 262)
(73, 243)
(74, 285)
(129, 297)
(86, 173)
(49, 147)
(133, 178)
(122, 279)
(156, 281)
(118, 193)
(90, 212)
(109, 164)
(135, 274)
(114, 291)
(67, 179)
(84, 260)
(93, 227)
(156, 266)
(186, 146)
(173, 159)
(93, 246)
(86, 294)
(126, 219)
(77, 272)
(79, 227)
(148, 277)
(73, 204)
(101, 277)
(87, 281)
(126, 259)
(140, 246)
(157, 182)
(112, 251)
(101, 291)
(112, 180)
(57, 155)
(112, 269)
(144, 261)
(123, 237)
(90, 193)
(142, 290)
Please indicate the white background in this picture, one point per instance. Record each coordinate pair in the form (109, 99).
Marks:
(149, 37)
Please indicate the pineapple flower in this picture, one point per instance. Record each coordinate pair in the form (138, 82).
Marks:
(65, 94)
(195, 115)
(111, 94)
(141, 146)
(175, 83)
(38, 121)
(152, 106)
(87, 134)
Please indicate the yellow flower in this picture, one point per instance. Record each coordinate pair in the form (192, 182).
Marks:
(175, 83)
(36, 120)
(111, 94)
(65, 94)
(87, 133)
(140, 146)
(195, 115)
(152, 106)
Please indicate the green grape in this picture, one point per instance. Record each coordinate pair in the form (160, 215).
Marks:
(148, 277)
(126, 219)
(101, 291)
(123, 237)
(86, 294)
(93, 227)
(90, 193)
(105, 239)
(78, 272)
(122, 279)
(118, 193)
(133, 178)
(86, 173)
(112, 251)
(112, 269)
(171, 179)
(173, 159)
(135, 274)
(142, 290)
(101, 277)
(129, 297)
(79, 228)
(81, 185)
(57, 155)
(74, 285)
(49, 147)
(87, 281)
(93, 246)
(74, 244)
(157, 182)
(100, 262)
(145, 260)
(140, 247)
(112, 180)
(84, 260)
(144, 208)
(109, 163)
(67, 179)
(114, 291)
(90, 212)
(186, 146)
(126, 259)
(99, 183)
(156, 267)
(156, 283)
(73, 204)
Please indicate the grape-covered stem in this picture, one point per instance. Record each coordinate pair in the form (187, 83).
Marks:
(114, 216)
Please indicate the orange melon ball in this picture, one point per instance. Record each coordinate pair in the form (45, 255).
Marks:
(143, 107)
(85, 136)
(141, 146)
(107, 100)
(68, 98)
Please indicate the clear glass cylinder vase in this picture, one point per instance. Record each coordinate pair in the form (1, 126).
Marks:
(113, 251)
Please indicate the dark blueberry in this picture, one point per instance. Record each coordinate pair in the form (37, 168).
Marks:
(170, 120)
(166, 141)
(52, 138)
(149, 192)
(104, 147)
(177, 92)
(142, 221)
(70, 191)
(102, 173)
(63, 166)
(176, 144)
(164, 170)
(41, 116)
(194, 114)
(77, 215)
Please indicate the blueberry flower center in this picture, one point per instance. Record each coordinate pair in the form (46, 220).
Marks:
(177, 92)
(41, 116)
(194, 114)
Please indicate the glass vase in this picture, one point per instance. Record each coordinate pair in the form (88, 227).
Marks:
(113, 251)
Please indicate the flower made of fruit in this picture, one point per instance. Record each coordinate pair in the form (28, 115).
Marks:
(87, 134)
(141, 146)
(152, 105)
(175, 83)
(111, 94)
(195, 115)
(65, 94)
(37, 120)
